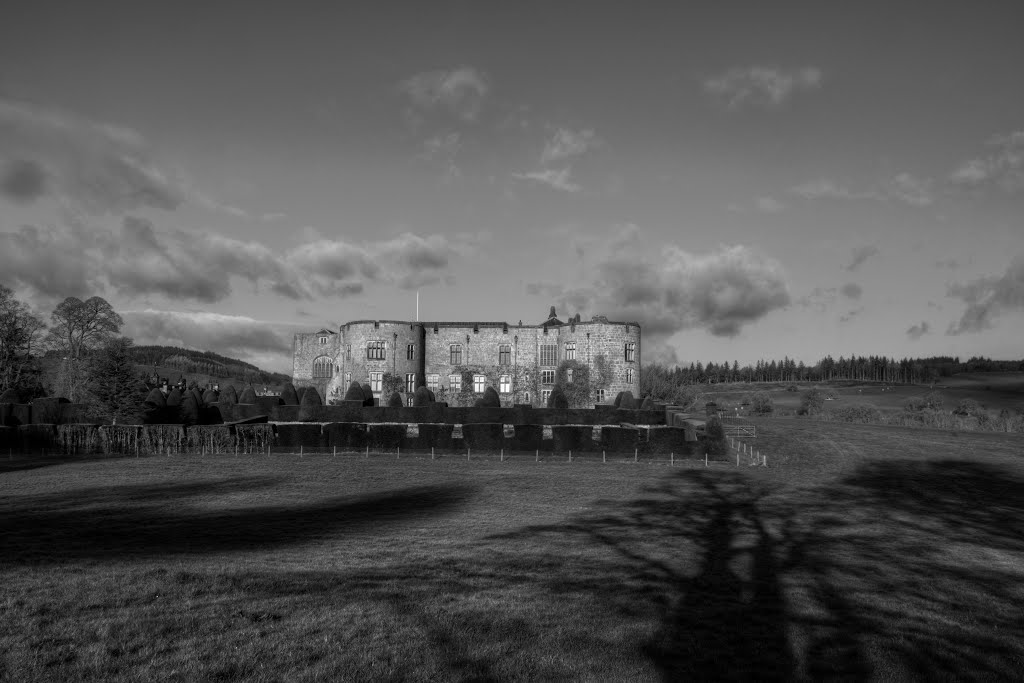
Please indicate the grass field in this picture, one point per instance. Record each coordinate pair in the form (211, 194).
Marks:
(860, 552)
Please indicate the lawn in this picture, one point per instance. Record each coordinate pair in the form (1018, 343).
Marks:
(860, 552)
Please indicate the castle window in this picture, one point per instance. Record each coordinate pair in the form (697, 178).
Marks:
(455, 382)
(600, 396)
(570, 350)
(323, 340)
(410, 382)
(630, 352)
(375, 350)
(629, 375)
(505, 384)
(505, 354)
(544, 395)
(549, 354)
(410, 352)
(479, 383)
(547, 376)
(410, 401)
(348, 378)
(323, 367)
(527, 397)
(568, 375)
(376, 380)
(456, 354)
(433, 381)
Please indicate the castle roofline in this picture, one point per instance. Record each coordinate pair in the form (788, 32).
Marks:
(550, 322)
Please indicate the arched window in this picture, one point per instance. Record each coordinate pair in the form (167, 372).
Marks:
(323, 367)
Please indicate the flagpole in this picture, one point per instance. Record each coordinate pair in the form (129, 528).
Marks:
(417, 305)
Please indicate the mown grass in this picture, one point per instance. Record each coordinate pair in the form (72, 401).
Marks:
(860, 552)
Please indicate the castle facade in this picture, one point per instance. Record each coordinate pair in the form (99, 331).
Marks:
(591, 360)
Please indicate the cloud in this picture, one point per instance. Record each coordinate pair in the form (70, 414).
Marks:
(460, 91)
(231, 335)
(858, 255)
(97, 167)
(675, 290)
(915, 332)
(442, 150)
(1004, 166)
(907, 188)
(23, 181)
(558, 179)
(769, 205)
(819, 299)
(850, 315)
(568, 143)
(989, 297)
(137, 260)
(823, 188)
(851, 290)
(761, 85)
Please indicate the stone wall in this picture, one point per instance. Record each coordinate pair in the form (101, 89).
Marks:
(306, 348)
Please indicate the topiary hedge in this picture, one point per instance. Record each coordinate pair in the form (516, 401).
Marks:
(490, 398)
(396, 400)
(355, 393)
(289, 395)
(422, 397)
(557, 399)
(367, 394)
(229, 395)
(248, 395)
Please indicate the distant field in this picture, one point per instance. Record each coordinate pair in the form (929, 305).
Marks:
(994, 390)
(860, 552)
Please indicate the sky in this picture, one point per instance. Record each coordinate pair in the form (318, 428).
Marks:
(746, 180)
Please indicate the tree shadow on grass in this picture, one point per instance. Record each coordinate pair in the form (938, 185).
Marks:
(125, 522)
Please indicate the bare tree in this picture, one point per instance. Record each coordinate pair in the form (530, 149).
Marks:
(20, 335)
(77, 327)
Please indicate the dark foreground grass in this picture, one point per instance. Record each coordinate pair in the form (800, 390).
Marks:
(859, 553)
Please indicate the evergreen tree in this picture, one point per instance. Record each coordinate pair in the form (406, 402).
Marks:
(114, 389)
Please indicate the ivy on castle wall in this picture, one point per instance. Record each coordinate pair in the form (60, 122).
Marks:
(579, 391)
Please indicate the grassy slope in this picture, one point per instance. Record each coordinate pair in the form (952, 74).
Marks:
(994, 390)
(872, 552)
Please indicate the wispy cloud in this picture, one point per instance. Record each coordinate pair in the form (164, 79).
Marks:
(823, 188)
(566, 143)
(910, 189)
(460, 91)
(768, 205)
(1003, 166)
(989, 297)
(761, 85)
(558, 179)
(442, 149)
(915, 332)
(858, 255)
(97, 167)
(903, 187)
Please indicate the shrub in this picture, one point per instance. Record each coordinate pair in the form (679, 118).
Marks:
(762, 403)
(189, 409)
(714, 433)
(647, 403)
(930, 401)
(422, 397)
(968, 406)
(491, 398)
(156, 398)
(228, 395)
(395, 401)
(354, 393)
(864, 413)
(174, 398)
(10, 396)
(792, 387)
(618, 399)
(367, 394)
(299, 391)
(627, 402)
(557, 399)
(813, 402)
(209, 397)
(248, 395)
(289, 395)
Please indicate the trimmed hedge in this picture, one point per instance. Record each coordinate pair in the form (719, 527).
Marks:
(489, 436)
(575, 438)
(396, 400)
(296, 435)
(619, 439)
(527, 437)
(345, 435)
(228, 395)
(385, 436)
(289, 396)
(421, 398)
(355, 393)
(557, 399)
(248, 395)
(367, 394)
(438, 436)
(490, 399)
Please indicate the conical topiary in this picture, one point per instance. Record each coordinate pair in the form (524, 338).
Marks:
(491, 398)
(367, 395)
(174, 398)
(248, 395)
(156, 398)
(198, 396)
(299, 391)
(421, 398)
(618, 399)
(210, 397)
(189, 409)
(354, 393)
(229, 395)
(647, 403)
(557, 399)
(627, 402)
(395, 401)
(289, 395)
(310, 402)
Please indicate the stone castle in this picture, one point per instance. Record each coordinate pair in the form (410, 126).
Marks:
(592, 360)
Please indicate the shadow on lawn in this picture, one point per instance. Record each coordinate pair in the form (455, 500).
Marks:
(124, 522)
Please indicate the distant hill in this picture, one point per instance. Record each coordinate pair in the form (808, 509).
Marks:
(173, 361)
